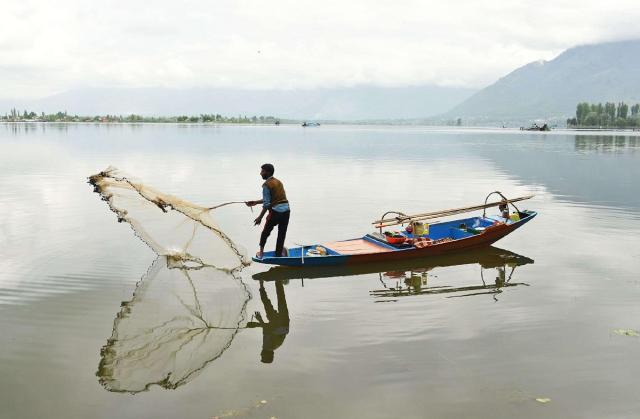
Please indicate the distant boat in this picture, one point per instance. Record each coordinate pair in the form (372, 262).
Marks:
(310, 124)
(536, 127)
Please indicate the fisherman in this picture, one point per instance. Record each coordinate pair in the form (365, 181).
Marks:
(274, 332)
(274, 200)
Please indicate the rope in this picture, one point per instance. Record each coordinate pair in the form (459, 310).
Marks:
(228, 203)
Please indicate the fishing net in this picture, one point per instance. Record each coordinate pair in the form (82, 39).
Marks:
(178, 321)
(182, 231)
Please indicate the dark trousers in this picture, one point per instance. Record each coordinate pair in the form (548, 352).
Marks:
(280, 219)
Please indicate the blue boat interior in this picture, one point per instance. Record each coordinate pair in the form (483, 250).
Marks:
(296, 252)
(455, 229)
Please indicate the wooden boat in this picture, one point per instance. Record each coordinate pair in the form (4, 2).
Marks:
(442, 238)
(487, 257)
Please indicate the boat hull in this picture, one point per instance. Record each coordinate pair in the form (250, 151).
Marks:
(487, 257)
(488, 237)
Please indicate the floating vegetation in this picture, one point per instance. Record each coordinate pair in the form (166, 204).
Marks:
(242, 411)
(626, 332)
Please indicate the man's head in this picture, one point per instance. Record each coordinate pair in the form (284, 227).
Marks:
(267, 171)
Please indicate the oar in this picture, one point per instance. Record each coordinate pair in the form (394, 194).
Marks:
(401, 219)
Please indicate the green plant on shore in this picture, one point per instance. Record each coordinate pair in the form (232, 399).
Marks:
(609, 115)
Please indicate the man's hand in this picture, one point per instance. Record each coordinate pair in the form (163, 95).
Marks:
(257, 221)
(250, 203)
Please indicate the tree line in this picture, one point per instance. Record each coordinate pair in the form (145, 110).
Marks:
(29, 116)
(608, 115)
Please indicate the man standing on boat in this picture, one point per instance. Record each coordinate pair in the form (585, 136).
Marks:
(274, 200)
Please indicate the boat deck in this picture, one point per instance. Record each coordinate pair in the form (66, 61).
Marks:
(356, 247)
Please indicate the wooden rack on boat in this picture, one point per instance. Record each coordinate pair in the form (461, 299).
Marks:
(401, 218)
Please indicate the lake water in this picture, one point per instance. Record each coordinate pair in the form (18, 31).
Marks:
(540, 325)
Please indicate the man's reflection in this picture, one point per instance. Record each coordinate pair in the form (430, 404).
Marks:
(273, 332)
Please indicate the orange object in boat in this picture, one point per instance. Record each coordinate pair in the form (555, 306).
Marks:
(396, 239)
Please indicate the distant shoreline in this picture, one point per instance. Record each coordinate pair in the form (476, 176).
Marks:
(146, 123)
(495, 129)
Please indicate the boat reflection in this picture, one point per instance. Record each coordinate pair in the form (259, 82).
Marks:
(177, 322)
(414, 277)
(416, 282)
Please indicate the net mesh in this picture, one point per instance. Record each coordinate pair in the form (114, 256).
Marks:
(178, 321)
(182, 231)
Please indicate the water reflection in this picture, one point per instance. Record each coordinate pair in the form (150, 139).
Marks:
(416, 281)
(276, 328)
(178, 321)
(21, 128)
(414, 277)
(606, 143)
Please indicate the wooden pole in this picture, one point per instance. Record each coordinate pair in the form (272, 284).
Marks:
(400, 219)
(226, 203)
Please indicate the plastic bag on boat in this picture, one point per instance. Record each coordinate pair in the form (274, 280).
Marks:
(184, 232)
(178, 321)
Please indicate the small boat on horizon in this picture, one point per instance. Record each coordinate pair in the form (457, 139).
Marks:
(310, 124)
(536, 127)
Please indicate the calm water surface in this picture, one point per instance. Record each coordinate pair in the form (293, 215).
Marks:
(483, 334)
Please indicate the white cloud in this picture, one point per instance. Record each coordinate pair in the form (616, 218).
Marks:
(47, 47)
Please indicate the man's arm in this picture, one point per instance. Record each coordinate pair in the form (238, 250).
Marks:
(258, 220)
(253, 203)
(259, 323)
(266, 203)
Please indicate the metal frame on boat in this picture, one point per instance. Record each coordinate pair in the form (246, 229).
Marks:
(442, 238)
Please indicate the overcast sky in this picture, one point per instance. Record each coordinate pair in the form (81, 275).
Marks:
(51, 46)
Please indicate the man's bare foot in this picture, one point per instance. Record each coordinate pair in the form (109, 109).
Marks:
(259, 254)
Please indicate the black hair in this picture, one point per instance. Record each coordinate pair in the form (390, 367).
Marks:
(268, 167)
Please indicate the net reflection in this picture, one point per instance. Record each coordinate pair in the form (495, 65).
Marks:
(178, 321)
(415, 277)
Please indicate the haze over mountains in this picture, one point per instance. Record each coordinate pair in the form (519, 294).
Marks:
(539, 90)
(349, 103)
(608, 72)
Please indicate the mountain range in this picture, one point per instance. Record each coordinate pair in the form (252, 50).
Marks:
(607, 72)
(550, 90)
(347, 103)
